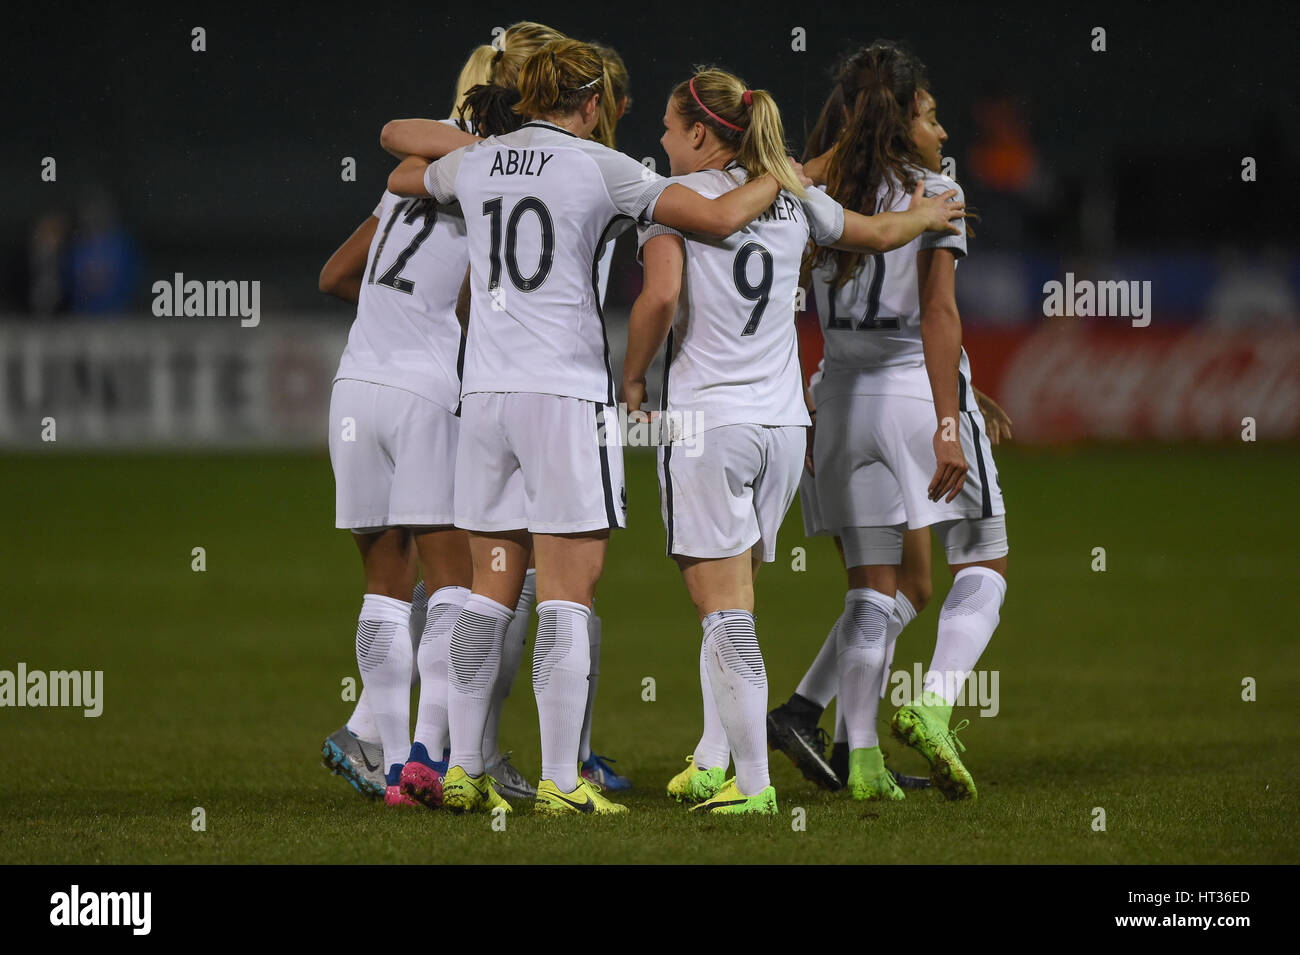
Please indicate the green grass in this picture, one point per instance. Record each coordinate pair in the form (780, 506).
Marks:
(1119, 689)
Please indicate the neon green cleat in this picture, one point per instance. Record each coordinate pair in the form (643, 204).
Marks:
(730, 801)
(868, 777)
(693, 784)
(586, 798)
(923, 725)
(462, 792)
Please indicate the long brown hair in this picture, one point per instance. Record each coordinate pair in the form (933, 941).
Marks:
(746, 121)
(877, 85)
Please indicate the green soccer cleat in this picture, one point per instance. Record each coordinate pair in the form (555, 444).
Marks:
(462, 792)
(869, 780)
(923, 725)
(731, 802)
(693, 784)
(585, 799)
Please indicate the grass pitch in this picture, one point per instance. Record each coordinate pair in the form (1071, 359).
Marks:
(1120, 690)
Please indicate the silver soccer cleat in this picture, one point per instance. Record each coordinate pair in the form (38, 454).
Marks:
(359, 762)
(508, 781)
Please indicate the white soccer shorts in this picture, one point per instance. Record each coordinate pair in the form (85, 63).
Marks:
(810, 505)
(734, 494)
(874, 459)
(394, 457)
(545, 463)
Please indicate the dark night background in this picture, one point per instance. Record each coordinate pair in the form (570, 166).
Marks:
(228, 161)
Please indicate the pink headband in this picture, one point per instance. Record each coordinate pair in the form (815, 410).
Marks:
(747, 97)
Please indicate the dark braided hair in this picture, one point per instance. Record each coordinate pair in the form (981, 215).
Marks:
(489, 108)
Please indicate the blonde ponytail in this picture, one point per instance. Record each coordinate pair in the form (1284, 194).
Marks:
(762, 147)
(613, 98)
(477, 70)
(746, 121)
(519, 41)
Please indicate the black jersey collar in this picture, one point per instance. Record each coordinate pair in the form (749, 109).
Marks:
(543, 124)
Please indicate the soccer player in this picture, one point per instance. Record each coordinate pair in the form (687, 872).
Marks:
(901, 442)
(433, 140)
(539, 468)
(509, 51)
(733, 393)
(793, 727)
(393, 436)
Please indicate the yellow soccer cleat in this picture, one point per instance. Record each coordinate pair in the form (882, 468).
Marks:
(730, 801)
(586, 798)
(462, 792)
(693, 784)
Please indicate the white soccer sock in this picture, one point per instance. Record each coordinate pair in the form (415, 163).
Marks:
(512, 653)
(823, 677)
(904, 613)
(473, 660)
(384, 658)
(861, 647)
(362, 721)
(739, 683)
(712, 751)
(593, 677)
(419, 612)
(435, 643)
(966, 622)
(560, 665)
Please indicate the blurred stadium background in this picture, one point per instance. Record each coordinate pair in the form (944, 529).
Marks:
(226, 165)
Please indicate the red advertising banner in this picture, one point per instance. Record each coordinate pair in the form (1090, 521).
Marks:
(1071, 381)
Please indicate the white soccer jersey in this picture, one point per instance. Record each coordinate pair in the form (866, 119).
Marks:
(541, 204)
(406, 334)
(733, 354)
(872, 324)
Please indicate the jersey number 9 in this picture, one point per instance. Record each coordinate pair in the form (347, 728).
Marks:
(758, 294)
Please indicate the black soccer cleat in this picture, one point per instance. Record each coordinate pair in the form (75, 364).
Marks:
(905, 781)
(792, 728)
(840, 761)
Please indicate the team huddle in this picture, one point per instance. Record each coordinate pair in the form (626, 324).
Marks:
(475, 431)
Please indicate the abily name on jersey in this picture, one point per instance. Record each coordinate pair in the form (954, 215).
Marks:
(519, 162)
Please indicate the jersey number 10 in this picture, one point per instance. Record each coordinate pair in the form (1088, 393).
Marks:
(525, 283)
